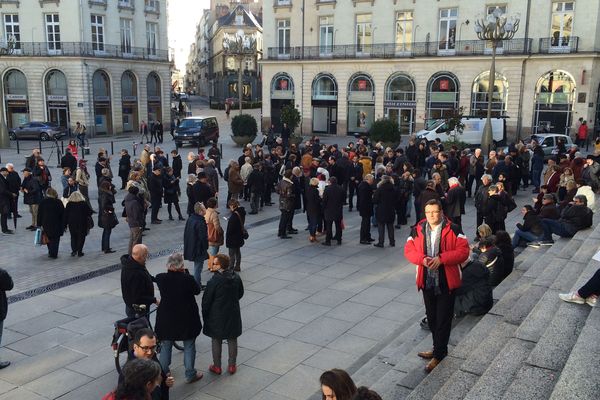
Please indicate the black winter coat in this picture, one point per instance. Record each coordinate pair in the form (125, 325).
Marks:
(426, 195)
(385, 199)
(171, 186)
(233, 236)
(195, 238)
(50, 217)
(106, 200)
(298, 188)
(455, 201)
(124, 166)
(69, 161)
(34, 193)
(155, 187)
(364, 199)
(134, 210)
(6, 284)
(494, 261)
(5, 196)
(256, 181)
(474, 296)
(76, 217)
(178, 317)
(313, 202)
(177, 166)
(221, 305)
(576, 217)
(136, 283)
(333, 202)
(531, 223)
(495, 211)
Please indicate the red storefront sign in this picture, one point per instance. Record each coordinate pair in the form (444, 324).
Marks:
(362, 84)
(444, 84)
(283, 84)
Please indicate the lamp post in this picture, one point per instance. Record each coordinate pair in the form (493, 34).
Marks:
(494, 28)
(239, 46)
(6, 47)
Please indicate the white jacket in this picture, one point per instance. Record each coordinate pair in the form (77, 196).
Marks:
(590, 195)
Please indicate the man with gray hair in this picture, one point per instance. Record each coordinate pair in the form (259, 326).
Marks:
(455, 201)
(481, 197)
(574, 217)
(195, 240)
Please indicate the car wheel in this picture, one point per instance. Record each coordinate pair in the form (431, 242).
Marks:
(12, 136)
(44, 136)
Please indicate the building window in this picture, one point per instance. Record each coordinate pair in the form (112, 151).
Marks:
(152, 5)
(97, 32)
(443, 94)
(562, 23)
(479, 95)
(363, 33)
(404, 31)
(283, 36)
(53, 32)
(325, 35)
(284, 2)
(151, 30)
(11, 28)
(126, 35)
(447, 32)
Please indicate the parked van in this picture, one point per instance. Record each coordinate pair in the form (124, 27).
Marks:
(471, 134)
(197, 130)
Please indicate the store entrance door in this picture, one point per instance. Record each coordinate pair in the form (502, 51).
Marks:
(404, 117)
(59, 115)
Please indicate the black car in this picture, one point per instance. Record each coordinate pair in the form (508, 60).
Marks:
(197, 130)
(38, 130)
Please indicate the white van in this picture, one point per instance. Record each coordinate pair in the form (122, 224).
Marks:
(471, 133)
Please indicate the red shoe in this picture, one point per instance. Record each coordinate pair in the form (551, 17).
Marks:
(215, 370)
(232, 369)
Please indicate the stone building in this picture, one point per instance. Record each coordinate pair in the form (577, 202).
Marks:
(102, 62)
(347, 63)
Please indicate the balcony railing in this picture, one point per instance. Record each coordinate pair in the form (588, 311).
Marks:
(393, 50)
(565, 44)
(86, 49)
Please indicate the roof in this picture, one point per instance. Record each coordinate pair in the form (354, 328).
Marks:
(249, 18)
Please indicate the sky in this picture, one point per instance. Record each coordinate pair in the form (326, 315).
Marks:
(183, 17)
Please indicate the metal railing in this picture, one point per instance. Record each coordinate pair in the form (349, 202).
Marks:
(566, 44)
(87, 49)
(393, 50)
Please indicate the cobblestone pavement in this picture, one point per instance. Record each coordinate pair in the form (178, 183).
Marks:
(306, 308)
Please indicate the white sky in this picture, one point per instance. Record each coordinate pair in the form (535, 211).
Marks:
(183, 17)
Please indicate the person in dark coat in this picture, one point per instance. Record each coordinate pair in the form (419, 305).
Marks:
(491, 257)
(495, 210)
(155, 187)
(134, 211)
(107, 219)
(176, 163)
(77, 218)
(221, 312)
(195, 240)
(6, 198)
(256, 187)
(404, 188)
(385, 199)
(68, 160)
(428, 194)
(234, 237)
(201, 189)
(50, 218)
(42, 174)
(455, 201)
(6, 284)
(14, 187)
(503, 243)
(531, 230)
(333, 205)
(297, 188)
(171, 187)
(364, 205)
(355, 176)
(312, 207)
(32, 196)
(285, 189)
(124, 167)
(136, 282)
(178, 317)
(474, 296)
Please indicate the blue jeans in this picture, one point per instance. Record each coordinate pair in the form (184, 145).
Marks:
(198, 264)
(554, 226)
(525, 236)
(213, 250)
(313, 221)
(536, 177)
(189, 356)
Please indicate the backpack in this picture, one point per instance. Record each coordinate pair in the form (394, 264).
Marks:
(226, 174)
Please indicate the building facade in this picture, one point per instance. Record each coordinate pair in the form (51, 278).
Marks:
(346, 63)
(102, 62)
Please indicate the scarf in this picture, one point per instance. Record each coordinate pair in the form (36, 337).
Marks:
(433, 276)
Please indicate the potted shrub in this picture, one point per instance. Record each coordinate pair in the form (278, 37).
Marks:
(243, 129)
(291, 116)
(386, 131)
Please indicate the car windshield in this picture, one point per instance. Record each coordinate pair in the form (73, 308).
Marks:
(432, 124)
(52, 124)
(190, 123)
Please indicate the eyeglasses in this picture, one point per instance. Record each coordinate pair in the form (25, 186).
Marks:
(147, 349)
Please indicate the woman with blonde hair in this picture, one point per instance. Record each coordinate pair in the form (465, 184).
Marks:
(78, 218)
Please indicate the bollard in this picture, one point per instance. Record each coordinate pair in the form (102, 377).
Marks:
(62, 147)
(134, 148)
(112, 148)
(18, 149)
(40, 144)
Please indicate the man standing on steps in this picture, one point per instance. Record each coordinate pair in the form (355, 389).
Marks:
(437, 247)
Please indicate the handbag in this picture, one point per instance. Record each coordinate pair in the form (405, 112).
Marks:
(215, 235)
(245, 234)
(45, 238)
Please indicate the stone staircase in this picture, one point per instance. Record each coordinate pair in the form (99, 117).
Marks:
(531, 345)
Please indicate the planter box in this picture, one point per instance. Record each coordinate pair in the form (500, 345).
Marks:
(241, 141)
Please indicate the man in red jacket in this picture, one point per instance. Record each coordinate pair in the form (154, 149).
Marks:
(437, 247)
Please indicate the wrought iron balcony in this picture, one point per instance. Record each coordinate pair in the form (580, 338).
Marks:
(87, 49)
(565, 44)
(393, 50)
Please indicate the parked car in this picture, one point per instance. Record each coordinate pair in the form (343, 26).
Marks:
(38, 130)
(471, 134)
(548, 141)
(183, 96)
(197, 130)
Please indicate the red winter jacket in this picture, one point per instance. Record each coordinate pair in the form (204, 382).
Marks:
(454, 250)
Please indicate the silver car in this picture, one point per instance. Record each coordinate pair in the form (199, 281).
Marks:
(38, 130)
(549, 141)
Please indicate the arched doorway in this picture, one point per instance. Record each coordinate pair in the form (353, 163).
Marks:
(442, 95)
(15, 98)
(324, 104)
(282, 94)
(129, 100)
(154, 98)
(361, 103)
(479, 95)
(554, 96)
(57, 101)
(400, 102)
(102, 103)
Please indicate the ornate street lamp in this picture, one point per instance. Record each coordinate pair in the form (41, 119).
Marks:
(239, 46)
(6, 47)
(494, 28)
